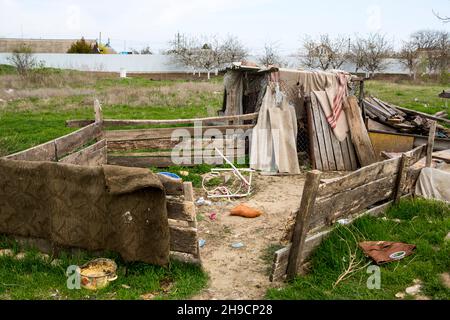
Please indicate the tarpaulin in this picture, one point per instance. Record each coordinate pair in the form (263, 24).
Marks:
(385, 251)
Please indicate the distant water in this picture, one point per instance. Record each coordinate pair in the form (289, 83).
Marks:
(153, 63)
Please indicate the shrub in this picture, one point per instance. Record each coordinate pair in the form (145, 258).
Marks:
(80, 46)
(23, 59)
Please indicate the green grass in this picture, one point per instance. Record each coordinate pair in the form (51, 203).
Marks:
(424, 223)
(27, 122)
(419, 97)
(7, 69)
(35, 278)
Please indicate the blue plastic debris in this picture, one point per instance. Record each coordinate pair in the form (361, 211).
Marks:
(237, 245)
(201, 243)
(170, 175)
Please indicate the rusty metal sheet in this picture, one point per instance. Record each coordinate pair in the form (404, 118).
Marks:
(390, 143)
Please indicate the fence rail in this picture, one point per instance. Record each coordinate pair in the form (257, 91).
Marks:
(351, 196)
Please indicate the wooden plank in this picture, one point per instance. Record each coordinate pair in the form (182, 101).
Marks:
(171, 186)
(188, 191)
(442, 155)
(337, 152)
(184, 257)
(302, 222)
(190, 198)
(416, 154)
(168, 144)
(230, 153)
(430, 145)
(141, 134)
(242, 117)
(328, 210)
(121, 122)
(327, 138)
(281, 257)
(161, 162)
(130, 122)
(358, 132)
(71, 141)
(401, 113)
(439, 143)
(352, 153)
(42, 152)
(314, 153)
(91, 156)
(360, 177)
(130, 145)
(374, 125)
(279, 264)
(425, 115)
(319, 133)
(180, 210)
(401, 177)
(183, 239)
(390, 143)
(346, 155)
(78, 123)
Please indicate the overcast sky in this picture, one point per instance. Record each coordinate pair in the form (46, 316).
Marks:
(137, 23)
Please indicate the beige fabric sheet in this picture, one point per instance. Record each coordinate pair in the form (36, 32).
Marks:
(434, 184)
(324, 84)
(325, 99)
(273, 145)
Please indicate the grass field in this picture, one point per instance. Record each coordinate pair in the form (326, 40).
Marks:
(420, 97)
(34, 110)
(421, 222)
(35, 277)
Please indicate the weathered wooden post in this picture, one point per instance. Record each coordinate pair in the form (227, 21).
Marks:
(430, 145)
(302, 222)
(401, 177)
(98, 111)
(189, 198)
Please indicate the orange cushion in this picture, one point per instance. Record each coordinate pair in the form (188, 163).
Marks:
(244, 211)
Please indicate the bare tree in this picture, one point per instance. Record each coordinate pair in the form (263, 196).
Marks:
(146, 50)
(325, 53)
(206, 52)
(409, 57)
(357, 54)
(233, 50)
(445, 19)
(23, 59)
(271, 57)
(183, 50)
(310, 57)
(434, 47)
(377, 49)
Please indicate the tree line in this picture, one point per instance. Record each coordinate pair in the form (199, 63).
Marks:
(425, 52)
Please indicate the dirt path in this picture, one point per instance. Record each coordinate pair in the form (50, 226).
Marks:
(242, 273)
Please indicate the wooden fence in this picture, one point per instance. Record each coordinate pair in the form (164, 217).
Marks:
(72, 149)
(349, 197)
(154, 147)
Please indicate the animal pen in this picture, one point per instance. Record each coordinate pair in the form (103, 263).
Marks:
(97, 196)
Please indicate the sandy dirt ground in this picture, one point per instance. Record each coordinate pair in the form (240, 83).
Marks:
(243, 273)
